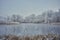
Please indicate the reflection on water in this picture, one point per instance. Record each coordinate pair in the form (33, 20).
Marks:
(29, 29)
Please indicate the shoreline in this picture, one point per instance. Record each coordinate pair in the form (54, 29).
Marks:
(16, 23)
(9, 23)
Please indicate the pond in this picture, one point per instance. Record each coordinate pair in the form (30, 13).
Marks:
(29, 29)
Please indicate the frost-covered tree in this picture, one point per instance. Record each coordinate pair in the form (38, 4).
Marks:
(39, 19)
(47, 16)
(16, 18)
(30, 18)
(13, 18)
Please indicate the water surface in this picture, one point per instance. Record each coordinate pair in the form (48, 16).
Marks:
(29, 29)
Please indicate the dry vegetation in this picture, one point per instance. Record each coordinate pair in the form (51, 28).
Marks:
(35, 37)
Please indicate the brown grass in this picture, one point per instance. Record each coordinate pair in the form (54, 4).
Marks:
(35, 37)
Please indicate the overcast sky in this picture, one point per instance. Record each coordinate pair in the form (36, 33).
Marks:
(27, 7)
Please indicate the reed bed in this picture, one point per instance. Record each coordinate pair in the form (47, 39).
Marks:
(35, 37)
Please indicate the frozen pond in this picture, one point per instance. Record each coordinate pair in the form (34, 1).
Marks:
(29, 29)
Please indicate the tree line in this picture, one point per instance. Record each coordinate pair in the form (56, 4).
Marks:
(48, 16)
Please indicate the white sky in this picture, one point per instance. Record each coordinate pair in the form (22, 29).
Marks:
(27, 7)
